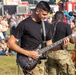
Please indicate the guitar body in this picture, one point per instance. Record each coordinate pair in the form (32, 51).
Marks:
(26, 63)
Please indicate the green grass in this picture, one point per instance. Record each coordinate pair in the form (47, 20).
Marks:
(8, 65)
(71, 46)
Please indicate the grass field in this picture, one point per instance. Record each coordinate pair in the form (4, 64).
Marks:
(8, 65)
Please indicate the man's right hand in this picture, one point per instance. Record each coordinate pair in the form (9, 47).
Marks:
(33, 54)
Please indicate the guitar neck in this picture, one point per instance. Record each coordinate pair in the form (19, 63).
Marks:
(41, 51)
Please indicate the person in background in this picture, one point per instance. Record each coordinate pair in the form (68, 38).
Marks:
(65, 19)
(68, 17)
(31, 34)
(5, 26)
(1, 30)
(13, 25)
(3, 43)
(4, 50)
(59, 61)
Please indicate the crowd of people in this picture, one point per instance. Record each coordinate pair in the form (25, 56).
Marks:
(7, 25)
(41, 29)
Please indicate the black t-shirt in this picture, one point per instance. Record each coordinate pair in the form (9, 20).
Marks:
(62, 30)
(30, 33)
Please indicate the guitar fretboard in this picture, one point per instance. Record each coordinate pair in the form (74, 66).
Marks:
(41, 51)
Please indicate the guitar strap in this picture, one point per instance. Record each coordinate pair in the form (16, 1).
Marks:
(44, 55)
(54, 29)
(44, 32)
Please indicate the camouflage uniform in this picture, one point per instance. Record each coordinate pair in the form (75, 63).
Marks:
(60, 63)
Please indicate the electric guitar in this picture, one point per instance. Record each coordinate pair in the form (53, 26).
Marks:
(28, 63)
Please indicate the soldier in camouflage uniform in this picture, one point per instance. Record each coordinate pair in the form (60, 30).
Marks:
(59, 61)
